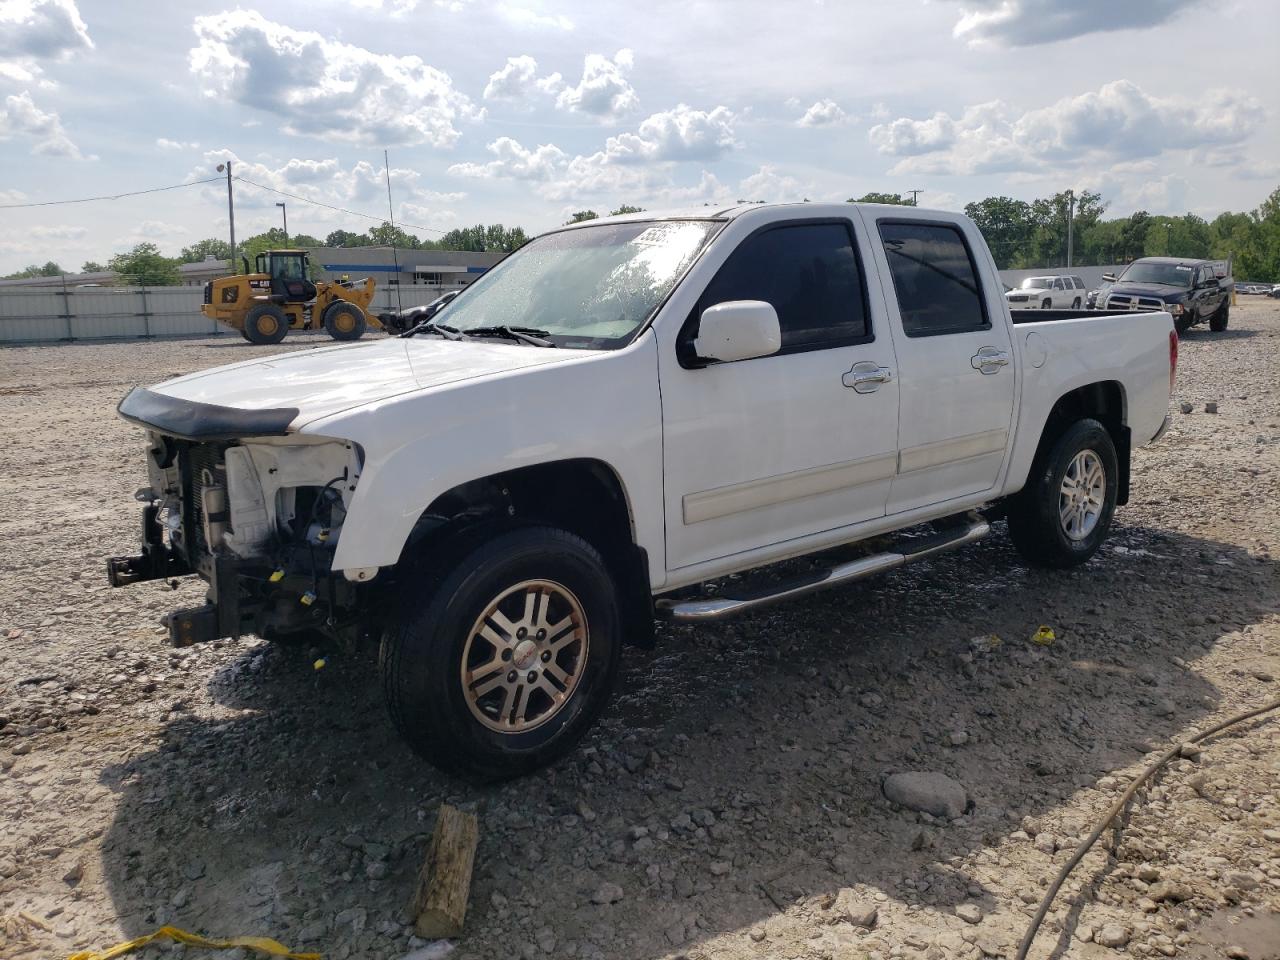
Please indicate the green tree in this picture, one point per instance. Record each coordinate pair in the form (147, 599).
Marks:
(1006, 225)
(494, 238)
(213, 247)
(625, 208)
(304, 241)
(50, 269)
(145, 266)
(877, 197)
(92, 266)
(387, 234)
(345, 238)
(582, 215)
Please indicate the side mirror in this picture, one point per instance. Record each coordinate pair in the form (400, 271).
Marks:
(1109, 277)
(738, 330)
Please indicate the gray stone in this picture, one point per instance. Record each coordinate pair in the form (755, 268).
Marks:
(1112, 935)
(1169, 890)
(607, 893)
(849, 907)
(719, 868)
(1185, 407)
(1211, 407)
(969, 912)
(926, 792)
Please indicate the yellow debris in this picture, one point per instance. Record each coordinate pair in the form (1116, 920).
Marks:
(1043, 637)
(261, 944)
(320, 664)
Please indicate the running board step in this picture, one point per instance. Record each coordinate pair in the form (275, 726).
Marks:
(721, 608)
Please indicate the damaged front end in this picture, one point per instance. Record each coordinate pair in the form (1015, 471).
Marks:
(254, 510)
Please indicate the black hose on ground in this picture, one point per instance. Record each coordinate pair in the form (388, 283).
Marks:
(1114, 812)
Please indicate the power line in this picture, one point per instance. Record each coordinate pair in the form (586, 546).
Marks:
(111, 196)
(321, 203)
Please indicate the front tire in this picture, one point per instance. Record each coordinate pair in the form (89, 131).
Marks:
(344, 321)
(265, 323)
(1063, 514)
(508, 655)
(1218, 322)
(1046, 304)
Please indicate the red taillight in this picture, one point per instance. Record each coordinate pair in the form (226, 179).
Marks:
(1173, 359)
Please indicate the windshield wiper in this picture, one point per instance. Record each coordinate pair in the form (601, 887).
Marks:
(530, 335)
(429, 326)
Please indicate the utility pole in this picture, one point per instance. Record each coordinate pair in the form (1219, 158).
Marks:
(1071, 223)
(1168, 239)
(391, 214)
(285, 213)
(231, 212)
(914, 195)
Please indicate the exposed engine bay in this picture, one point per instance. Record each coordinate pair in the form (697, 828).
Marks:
(259, 519)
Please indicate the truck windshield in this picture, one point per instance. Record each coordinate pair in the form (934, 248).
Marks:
(1170, 274)
(589, 288)
(1037, 283)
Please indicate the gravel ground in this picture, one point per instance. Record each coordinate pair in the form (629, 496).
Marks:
(731, 805)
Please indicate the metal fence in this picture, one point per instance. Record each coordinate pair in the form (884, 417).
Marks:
(112, 313)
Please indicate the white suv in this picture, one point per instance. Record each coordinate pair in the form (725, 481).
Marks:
(1048, 293)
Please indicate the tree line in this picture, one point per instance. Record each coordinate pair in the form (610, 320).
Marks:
(1020, 234)
(145, 265)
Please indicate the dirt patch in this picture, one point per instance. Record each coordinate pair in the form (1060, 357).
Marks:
(730, 806)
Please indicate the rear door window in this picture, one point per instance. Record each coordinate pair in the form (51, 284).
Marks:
(934, 278)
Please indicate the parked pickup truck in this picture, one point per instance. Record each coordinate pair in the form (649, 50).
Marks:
(623, 410)
(1191, 291)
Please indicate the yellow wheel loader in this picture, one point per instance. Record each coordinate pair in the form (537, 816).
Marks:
(277, 297)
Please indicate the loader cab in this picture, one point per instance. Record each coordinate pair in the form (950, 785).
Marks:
(287, 270)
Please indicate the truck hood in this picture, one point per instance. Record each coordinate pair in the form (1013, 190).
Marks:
(320, 383)
(1148, 290)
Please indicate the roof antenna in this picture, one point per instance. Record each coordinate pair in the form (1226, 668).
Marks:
(391, 212)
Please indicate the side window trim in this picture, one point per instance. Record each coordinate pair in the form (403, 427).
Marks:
(891, 287)
(688, 330)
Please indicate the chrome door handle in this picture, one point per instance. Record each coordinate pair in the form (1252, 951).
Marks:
(866, 377)
(988, 360)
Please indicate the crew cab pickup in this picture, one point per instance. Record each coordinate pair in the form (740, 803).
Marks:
(619, 412)
(1191, 291)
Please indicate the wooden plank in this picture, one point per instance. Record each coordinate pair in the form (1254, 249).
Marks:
(444, 882)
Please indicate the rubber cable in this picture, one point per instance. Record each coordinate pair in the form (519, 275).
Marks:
(1116, 808)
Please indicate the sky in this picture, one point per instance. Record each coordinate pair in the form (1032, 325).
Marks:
(523, 111)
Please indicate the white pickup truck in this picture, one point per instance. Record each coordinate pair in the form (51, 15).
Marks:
(623, 409)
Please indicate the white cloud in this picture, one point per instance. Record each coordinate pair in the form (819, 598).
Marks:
(528, 17)
(1018, 23)
(604, 90)
(1115, 123)
(318, 85)
(20, 117)
(770, 185)
(518, 80)
(823, 113)
(396, 8)
(43, 241)
(36, 30)
(681, 133)
(516, 162)
(176, 145)
(361, 187)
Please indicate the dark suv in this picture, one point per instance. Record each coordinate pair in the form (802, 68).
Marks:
(1194, 291)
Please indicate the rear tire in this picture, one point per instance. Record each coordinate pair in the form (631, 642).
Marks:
(265, 323)
(1063, 514)
(505, 655)
(1075, 304)
(1218, 322)
(344, 321)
